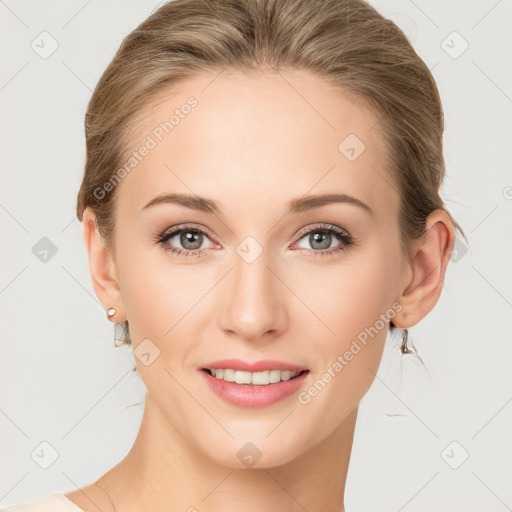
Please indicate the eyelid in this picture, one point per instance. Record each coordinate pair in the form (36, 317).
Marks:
(322, 227)
(187, 225)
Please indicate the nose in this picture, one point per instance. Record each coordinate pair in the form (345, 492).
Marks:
(253, 306)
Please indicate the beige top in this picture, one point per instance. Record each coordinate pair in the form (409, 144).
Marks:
(54, 502)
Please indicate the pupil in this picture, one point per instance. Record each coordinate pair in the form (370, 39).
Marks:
(188, 237)
(323, 239)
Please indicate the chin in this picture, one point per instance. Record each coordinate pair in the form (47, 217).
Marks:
(255, 447)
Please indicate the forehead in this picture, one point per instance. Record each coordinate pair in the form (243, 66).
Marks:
(265, 135)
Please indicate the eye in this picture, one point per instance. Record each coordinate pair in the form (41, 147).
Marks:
(190, 238)
(321, 237)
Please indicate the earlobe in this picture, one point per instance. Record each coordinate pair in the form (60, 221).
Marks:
(101, 266)
(431, 254)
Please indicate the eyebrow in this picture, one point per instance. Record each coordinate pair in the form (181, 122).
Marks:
(316, 201)
(294, 206)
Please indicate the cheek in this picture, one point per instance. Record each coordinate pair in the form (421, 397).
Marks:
(349, 298)
(149, 291)
(164, 300)
(354, 306)
(347, 360)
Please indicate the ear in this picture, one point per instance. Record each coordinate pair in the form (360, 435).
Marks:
(430, 257)
(102, 267)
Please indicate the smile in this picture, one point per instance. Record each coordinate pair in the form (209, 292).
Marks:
(253, 384)
(263, 378)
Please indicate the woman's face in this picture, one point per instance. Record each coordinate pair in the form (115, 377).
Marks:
(270, 275)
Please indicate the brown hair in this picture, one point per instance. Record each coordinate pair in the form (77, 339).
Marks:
(346, 42)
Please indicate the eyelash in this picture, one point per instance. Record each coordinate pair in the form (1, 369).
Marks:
(345, 237)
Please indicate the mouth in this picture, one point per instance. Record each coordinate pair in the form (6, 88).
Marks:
(252, 384)
(260, 378)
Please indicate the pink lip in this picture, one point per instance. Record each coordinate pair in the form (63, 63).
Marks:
(256, 366)
(250, 395)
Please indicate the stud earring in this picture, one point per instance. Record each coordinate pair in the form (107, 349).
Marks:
(111, 312)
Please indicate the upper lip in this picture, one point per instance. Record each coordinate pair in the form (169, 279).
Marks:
(254, 366)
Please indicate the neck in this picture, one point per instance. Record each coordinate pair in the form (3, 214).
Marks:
(164, 471)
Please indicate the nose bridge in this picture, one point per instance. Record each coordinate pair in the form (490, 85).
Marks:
(252, 305)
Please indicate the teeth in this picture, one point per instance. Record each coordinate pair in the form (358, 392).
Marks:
(260, 378)
(229, 375)
(256, 378)
(243, 377)
(275, 376)
(286, 375)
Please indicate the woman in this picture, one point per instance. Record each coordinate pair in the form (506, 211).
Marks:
(261, 203)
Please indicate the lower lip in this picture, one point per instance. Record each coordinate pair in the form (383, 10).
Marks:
(251, 395)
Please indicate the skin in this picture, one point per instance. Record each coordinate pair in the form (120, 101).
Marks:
(252, 144)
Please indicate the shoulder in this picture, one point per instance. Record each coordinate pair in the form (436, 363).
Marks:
(54, 502)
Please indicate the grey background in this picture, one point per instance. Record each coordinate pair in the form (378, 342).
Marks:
(62, 381)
